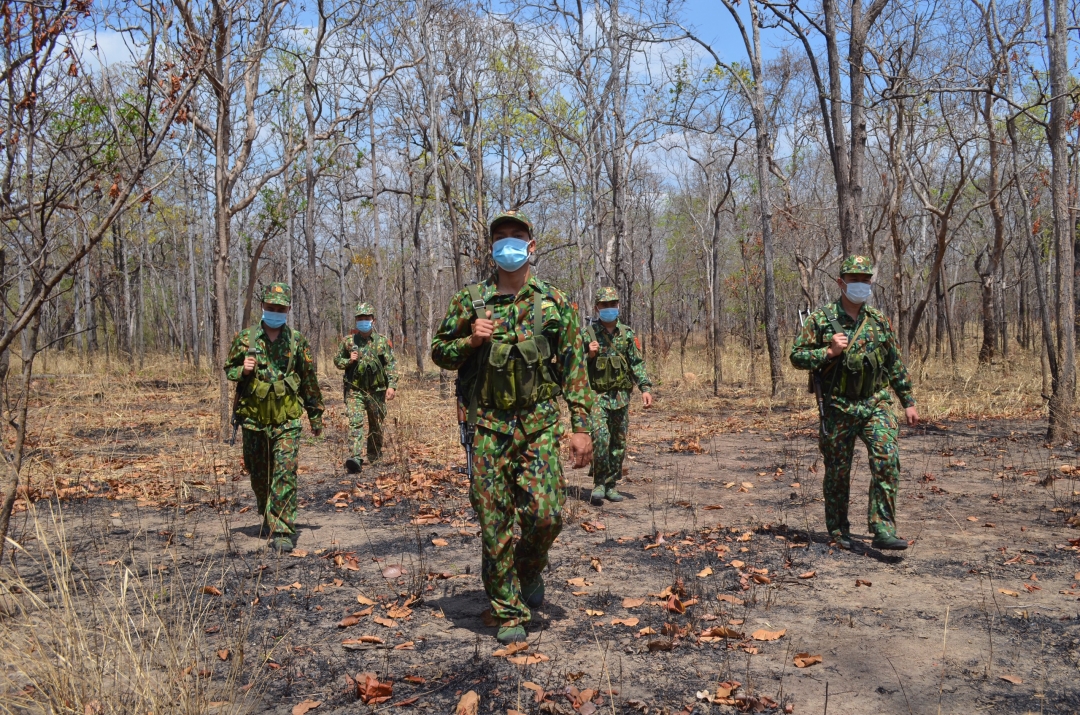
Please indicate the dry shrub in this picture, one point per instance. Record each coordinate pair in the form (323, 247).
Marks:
(119, 639)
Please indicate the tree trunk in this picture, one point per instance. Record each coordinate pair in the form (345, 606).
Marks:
(1060, 423)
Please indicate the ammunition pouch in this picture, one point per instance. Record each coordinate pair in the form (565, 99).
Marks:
(862, 369)
(271, 403)
(609, 373)
(367, 375)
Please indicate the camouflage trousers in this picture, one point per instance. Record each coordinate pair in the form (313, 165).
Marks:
(610, 427)
(271, 457)
(516, 479)
(875, 424)
(373, 404)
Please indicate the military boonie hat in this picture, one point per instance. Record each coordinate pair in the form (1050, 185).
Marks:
(365, 309)
(605, 294)
(857, 265)
(277, 294)
(510, 215)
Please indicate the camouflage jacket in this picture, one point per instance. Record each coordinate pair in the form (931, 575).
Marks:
(373, 347)
(808, 352)
(271, 361)
(621, 342)
(512, 314)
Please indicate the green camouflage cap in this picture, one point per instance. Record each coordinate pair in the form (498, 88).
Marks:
(277, 294)
(365, 309)
(605, 294)
(856, 265)
(510, 215)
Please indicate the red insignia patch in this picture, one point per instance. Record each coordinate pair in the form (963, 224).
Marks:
(391, 342)
(637, 341)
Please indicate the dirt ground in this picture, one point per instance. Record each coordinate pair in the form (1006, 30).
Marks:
(716, 570)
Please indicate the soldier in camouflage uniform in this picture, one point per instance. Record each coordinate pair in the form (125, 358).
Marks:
(272, 365)
(370, 382)
(615, 366)
(852, 351)
(517, 344)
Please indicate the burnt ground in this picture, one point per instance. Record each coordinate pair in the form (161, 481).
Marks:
(982, 613)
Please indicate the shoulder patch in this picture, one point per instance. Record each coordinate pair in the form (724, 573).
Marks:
(637, 341)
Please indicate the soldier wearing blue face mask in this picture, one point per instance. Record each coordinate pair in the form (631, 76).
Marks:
(370, 376)
(276, 384)
(854, 358)
(615, 367)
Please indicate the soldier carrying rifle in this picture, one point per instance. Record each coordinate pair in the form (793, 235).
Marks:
(855, 356)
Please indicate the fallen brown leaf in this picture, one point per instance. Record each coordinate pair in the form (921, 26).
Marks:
(440, 542)
(973, 518)
(223, 654)
(210, 590)
(1014, 679)
(579, 582)
(469, 704)
(624, 622)
(305, 706)
(705, 572)
(1007, 592)
(595, 563)
(718, 633)
(764, 580)
(805, 660)
(593, 612)
(371, 690)
(298, 553)
(736, 564)
(727, 598)
(808, 574)
(393, 571)
(660, 645)
(511, 649)
(647, 631)
(407, 645)
(530, 659)
(348, 621)
(674, 604)
(860, 582)
(407, 702)
(635, 602)
(764, 635)
(385, 622)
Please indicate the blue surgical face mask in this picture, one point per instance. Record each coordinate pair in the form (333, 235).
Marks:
(510, 254)
(857, 292)
(609, 315)
(364, 326)
(274, 320)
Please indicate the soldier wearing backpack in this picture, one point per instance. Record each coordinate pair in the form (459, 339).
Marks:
(855, 357)
(615, 367)
(276, 383)
(370, 382)
(516, 343)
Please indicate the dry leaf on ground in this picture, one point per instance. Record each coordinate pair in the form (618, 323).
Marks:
(719, 633)
(595, 563)
(808, 574)
(675, 605)
(371, 690)
(707, 571)
(632, 602)
(593, 612)
(624, 622)
(1007, 592)
(307, 705)
(385, 622)
(805, 660)
(210, 590)
(223, 654)
(440, 542)
(579, 582)
(529, 659)
(860, 582)
(728, 598)
(511, 649)
(647, 631)
(764, 635)
(1014, 679)
(393, 571)
(364, 600)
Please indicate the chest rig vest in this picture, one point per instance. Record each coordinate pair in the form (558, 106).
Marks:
(368, 373)
(509, 374)
(607, 372)
(861, 370)
(274, 402)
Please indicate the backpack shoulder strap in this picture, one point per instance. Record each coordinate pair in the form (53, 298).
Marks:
(833, 321)
(477, 300)
(538, 314)
(292, 351)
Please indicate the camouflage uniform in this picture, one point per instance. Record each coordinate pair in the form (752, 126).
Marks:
(517, 473)
(611, 414)
(271, 450)
(366, 399)
(870, 418)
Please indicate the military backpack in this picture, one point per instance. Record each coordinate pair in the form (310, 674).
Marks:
(272, 403)
(607, 372)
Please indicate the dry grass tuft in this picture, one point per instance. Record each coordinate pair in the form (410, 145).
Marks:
(116, 638)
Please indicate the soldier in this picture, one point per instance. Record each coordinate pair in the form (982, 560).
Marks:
(370, 381)
(615, 366)
(277, 383)
(517, 343)
(854, 358)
